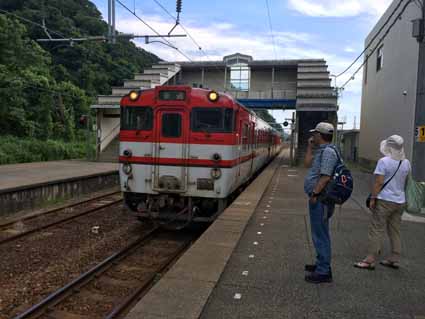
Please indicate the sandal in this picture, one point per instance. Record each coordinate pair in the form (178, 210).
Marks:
(365, 265)
(390, 264)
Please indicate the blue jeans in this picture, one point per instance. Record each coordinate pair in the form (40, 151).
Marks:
(319, 220)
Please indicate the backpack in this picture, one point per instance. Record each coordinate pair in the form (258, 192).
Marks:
(340, 187)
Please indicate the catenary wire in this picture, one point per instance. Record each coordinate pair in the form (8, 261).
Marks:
(271, 28)
(156, 32)
(187, 32)
(181, 25)
(373, 39)
(32, 22)
(378, 44)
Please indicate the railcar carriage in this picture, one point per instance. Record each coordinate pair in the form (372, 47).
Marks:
(184, 151)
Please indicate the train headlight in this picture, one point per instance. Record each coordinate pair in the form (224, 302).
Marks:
(213, 96)
(126, 168)
(133, 95)
(216, 173)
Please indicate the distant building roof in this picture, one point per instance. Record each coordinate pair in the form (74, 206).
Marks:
(230, 59)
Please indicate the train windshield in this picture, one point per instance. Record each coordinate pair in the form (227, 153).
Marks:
(218, 120)
(136, 118)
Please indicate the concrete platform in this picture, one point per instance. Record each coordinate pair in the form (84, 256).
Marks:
(249, 263)
(24, 186)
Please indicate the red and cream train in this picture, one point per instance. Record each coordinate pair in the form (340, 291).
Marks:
(184, 151)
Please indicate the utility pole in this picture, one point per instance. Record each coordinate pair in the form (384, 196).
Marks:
(109, 20)
(418, 162)
(113, 21)
(112, 35)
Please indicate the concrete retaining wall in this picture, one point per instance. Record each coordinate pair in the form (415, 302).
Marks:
(37, 195)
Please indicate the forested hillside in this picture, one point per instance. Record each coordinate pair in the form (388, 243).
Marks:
(45, 88)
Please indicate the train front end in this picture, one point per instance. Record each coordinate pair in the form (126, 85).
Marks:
(177, 151)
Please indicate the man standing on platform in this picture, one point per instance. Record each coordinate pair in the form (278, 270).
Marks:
(321, 158)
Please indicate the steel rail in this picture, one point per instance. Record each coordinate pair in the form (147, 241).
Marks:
(64, 220)
(55, 210)
(56, 297)
(121, 308)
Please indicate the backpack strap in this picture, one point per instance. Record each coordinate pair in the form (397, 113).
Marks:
(336, 152)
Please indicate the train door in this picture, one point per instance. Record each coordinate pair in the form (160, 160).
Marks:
(252, 146)
(170, 168)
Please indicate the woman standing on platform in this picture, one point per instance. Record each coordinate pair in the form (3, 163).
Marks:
(387, 203)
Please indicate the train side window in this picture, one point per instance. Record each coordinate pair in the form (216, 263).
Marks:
(136, 118)
(171, 125)
(213, 120)
(245, 133)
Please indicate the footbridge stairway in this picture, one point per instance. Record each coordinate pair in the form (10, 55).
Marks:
(108, 107)
(316, 101)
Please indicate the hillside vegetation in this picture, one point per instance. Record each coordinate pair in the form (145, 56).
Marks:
(45, 88)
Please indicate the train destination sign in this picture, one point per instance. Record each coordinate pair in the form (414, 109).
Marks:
(172, 95)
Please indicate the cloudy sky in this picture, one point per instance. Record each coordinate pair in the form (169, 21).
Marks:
(331, 29)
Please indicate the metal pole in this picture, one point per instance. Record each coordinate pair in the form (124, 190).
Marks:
(113, 21)
(418, 164)
(225, 78)
(291, 151)
(109, 20)
(203, 77)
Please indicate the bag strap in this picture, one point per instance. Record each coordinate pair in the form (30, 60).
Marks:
(336, 152)
(388, 181)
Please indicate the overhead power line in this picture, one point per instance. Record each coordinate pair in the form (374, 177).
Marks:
(181, 25)
(373, 39)
(156, 32)
(378, 44)
(186, 31)
(271, 28)
(33, 23)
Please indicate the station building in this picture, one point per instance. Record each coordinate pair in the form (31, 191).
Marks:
(300, 85)
(390, 82)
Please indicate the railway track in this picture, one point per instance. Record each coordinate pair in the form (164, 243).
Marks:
(31, 224)
(108, 289)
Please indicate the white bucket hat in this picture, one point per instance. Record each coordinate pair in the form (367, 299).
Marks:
(393, 147)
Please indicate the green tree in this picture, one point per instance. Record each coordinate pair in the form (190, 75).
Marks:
(46, 87)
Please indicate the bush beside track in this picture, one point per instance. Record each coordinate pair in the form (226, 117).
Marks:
(23, 150)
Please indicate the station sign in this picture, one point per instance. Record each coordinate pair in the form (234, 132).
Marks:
(420, 134)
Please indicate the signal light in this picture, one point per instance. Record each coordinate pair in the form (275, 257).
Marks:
(213, 96)
(134, 95)
(83, 120)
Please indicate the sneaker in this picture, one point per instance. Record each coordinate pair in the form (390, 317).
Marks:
(310, 268)
(316, 278)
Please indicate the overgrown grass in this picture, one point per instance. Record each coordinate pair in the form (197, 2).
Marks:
(23, 150)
